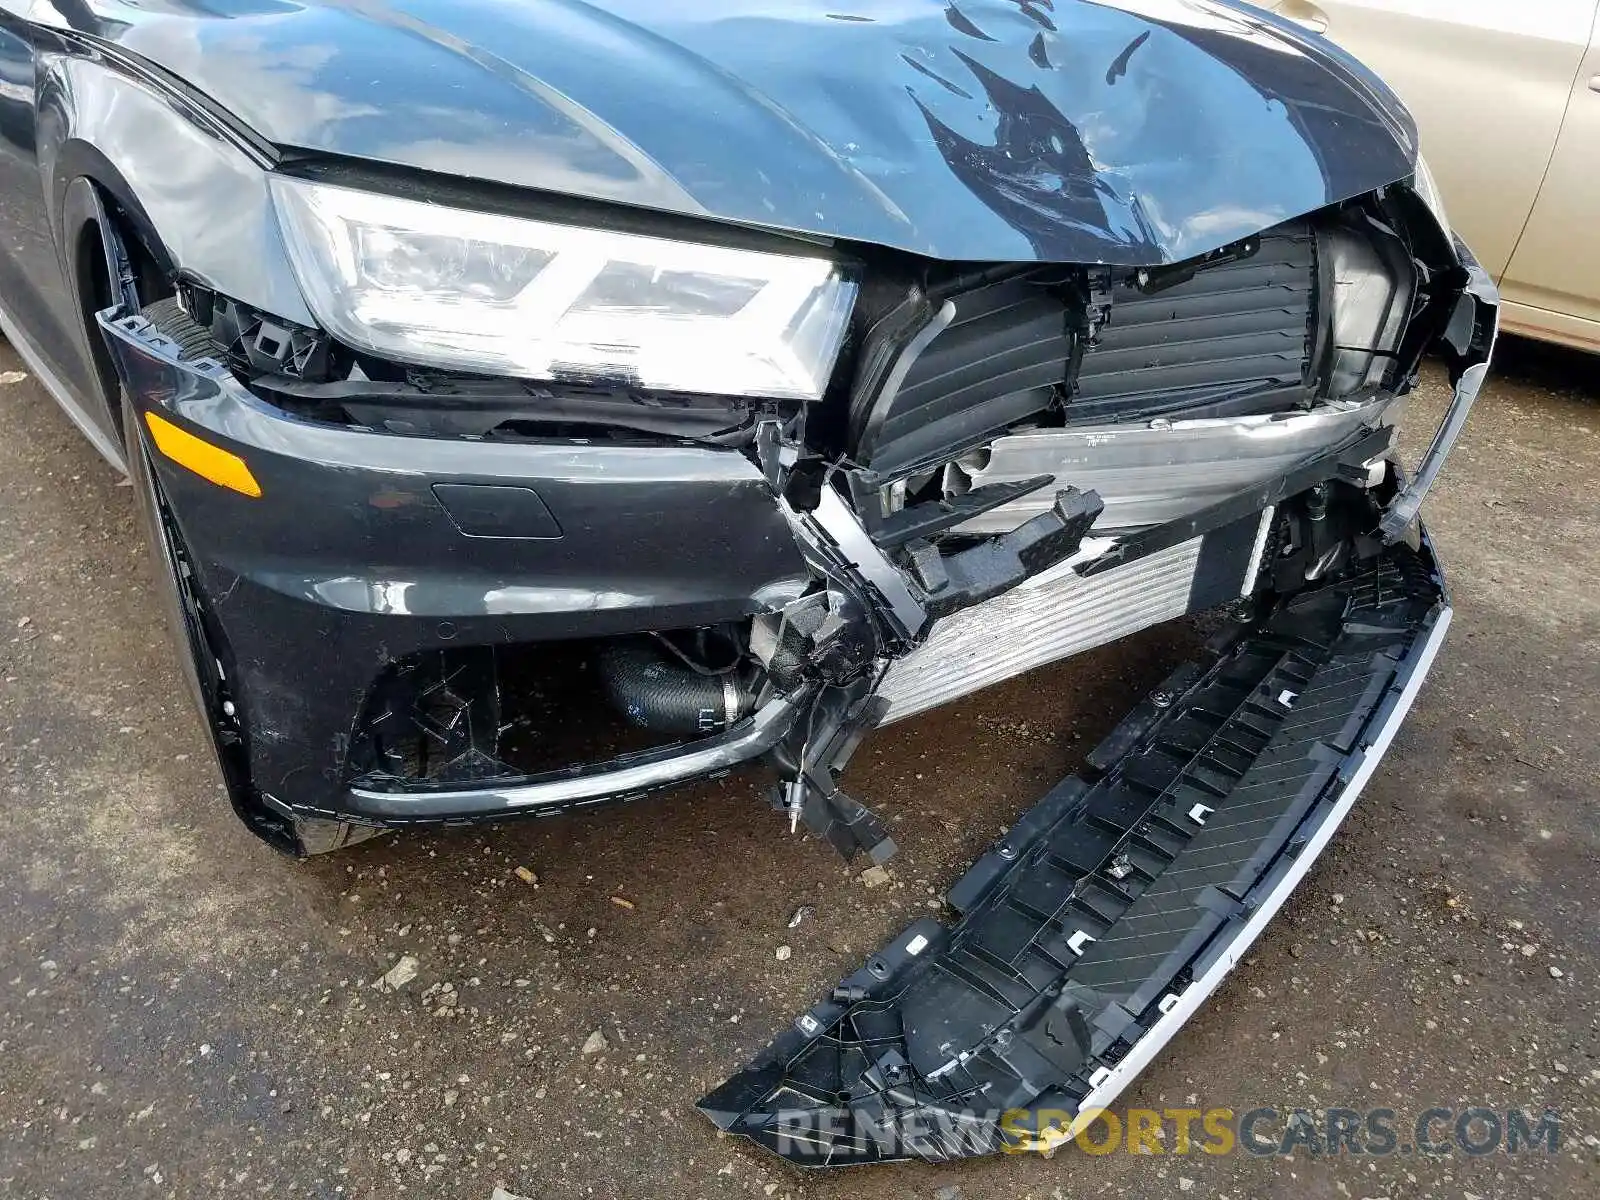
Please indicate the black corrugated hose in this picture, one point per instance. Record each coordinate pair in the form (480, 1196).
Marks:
(655, 692)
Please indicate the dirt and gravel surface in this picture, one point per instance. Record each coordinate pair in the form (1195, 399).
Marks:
(184, 1013)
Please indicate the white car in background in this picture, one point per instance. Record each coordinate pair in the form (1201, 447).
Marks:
(1507, 98)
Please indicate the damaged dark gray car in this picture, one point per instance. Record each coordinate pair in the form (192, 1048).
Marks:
(535, 406)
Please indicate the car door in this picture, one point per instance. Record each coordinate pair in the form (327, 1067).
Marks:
(1552, 287)
(1486, 80)
(31, 289)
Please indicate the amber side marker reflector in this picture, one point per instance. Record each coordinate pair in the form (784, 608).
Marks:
(221, 467)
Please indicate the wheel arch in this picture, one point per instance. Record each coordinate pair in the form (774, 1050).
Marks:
(142, 187)
(109, 259)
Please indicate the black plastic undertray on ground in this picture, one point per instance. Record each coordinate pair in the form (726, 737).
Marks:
(1115, 905)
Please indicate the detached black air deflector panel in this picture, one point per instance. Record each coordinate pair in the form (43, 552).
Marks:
(1115, 905)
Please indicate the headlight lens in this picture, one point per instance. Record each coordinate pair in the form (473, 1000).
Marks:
(480, 292)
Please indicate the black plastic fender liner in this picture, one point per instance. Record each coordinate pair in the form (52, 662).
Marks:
(1115, 906)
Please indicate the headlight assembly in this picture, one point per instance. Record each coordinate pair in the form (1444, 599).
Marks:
(491, 294)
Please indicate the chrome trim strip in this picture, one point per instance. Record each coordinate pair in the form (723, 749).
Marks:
(1254, 568)
(679, 764)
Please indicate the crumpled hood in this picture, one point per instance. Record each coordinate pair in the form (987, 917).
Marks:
(1122, 131)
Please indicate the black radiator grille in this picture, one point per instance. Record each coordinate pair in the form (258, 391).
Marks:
(1237, 329)
(1235, 337)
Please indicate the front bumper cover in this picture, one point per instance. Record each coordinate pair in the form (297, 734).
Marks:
(1085, 938)
(1115, 906)
(350, 561)
(356, 562)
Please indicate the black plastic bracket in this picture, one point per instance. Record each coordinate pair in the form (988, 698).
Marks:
(1469, 347)
(999, 563)
(940, 516)
(810, 761)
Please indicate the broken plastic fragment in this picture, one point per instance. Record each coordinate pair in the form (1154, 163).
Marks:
(1060, 980)
(397, 976)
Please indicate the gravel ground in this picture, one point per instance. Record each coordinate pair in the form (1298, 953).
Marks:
(184, 1013)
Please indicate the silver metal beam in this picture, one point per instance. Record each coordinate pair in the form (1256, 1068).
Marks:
(1154, 472)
